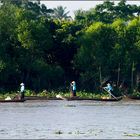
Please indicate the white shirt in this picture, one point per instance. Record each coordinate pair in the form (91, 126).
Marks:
(22, 88)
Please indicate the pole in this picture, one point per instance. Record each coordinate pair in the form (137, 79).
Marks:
(110, 93)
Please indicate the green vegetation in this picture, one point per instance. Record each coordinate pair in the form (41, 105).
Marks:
(46, 49)
(136, 94)
(52, 94)
(132, 135)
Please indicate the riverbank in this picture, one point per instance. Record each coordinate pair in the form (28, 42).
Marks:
(52, 95)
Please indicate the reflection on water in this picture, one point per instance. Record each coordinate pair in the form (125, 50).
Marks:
(70, 119)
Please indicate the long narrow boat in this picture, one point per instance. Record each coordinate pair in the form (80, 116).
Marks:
(40, 98)
(111, 99)
(134, 97)
(94, 99)
(11, 101)
(35, 98)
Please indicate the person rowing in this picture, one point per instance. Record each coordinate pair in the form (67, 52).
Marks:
(109, 89)
(73, 88)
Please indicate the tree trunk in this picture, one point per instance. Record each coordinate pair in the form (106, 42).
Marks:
(138, 80)
(132, 76)
(118, 79)
(100, 73)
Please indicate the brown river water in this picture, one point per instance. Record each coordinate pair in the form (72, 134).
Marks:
(70, 120)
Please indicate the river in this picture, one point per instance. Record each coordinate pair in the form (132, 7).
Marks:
(70, 120)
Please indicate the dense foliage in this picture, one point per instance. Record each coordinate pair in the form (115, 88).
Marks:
(46, 49)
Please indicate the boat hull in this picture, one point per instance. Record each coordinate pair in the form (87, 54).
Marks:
(35, 98)
(134, 97)
(11, 101)
(69, 98)
(40, 98)
(77, 98)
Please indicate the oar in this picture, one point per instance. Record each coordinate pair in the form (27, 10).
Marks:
(111, 94)
(123, 95)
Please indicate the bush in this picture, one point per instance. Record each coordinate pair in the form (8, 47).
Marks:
(29, 93)
(136, 94)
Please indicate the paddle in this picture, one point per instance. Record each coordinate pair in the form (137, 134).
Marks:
(110, 94)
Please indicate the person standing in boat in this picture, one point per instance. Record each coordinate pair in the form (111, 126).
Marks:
(22, 90)
(74, 88)
(109, 89)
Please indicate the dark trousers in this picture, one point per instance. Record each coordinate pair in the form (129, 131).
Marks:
(22, 95)
(74, 92)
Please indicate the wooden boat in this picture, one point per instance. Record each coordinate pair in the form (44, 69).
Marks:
(95, 99)
(40, 98)
(134, 97)
(9, 101)
(35, 98)
(111, 99)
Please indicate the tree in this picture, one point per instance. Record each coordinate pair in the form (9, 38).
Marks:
(65, 46)
(25, 41)
(133, 40)
(107, 12)
(118, 54)
(7, 46)
(94, 54)
(61, 14)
